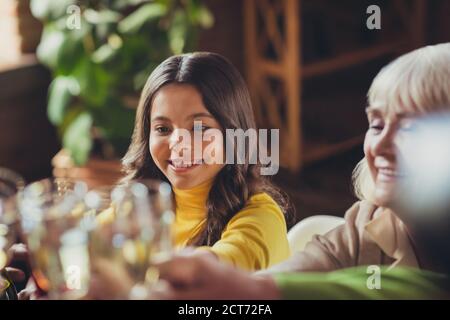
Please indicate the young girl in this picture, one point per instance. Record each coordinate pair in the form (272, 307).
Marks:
(415, 84)
(228, 210)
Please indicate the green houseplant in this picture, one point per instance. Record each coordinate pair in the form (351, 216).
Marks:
(100, 53)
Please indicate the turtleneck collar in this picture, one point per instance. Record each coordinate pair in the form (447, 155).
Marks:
(192, 201)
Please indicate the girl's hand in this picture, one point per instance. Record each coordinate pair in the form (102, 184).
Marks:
(188, 276)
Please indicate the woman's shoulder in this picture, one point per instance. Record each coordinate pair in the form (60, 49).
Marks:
(260, 209)
(262, 199)
(261, 205)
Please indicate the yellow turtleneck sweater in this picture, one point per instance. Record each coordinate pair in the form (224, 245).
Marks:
(255, 238)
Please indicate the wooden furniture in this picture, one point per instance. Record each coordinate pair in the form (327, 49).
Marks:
(276, 79)
(27, 139)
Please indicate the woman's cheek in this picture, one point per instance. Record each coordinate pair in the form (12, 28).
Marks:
(158, 151)
(367, 141)
(368, 154)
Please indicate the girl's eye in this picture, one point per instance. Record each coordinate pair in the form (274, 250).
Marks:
(202, 128)
(162, 130)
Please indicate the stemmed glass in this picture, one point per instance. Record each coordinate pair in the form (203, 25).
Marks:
(129, 234)
(52, 215)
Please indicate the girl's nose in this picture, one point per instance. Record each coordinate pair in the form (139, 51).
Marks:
(180, 139)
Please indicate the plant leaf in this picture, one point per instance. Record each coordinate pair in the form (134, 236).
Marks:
(77, 138)
(178, 32)
(69, 117)
(50, 9)
(61, 49)
(122, 4)
(61, 90)
(148, 12)
(48, 49)
(103, 54)
(94, 82)
(101, 16)
(205, 17)
(116, 123)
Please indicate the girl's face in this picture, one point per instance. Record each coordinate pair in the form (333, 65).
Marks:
(385, 137)
(175, 107)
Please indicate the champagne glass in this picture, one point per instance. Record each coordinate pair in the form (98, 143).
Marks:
(10, 184)
(132, 231)
(52, 212)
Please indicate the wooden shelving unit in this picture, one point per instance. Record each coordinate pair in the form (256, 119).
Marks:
(276, 24)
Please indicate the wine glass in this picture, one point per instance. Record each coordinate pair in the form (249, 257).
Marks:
(132, 231)
(52, 215)
(10, 184)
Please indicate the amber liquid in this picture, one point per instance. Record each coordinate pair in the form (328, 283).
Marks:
(49, 273)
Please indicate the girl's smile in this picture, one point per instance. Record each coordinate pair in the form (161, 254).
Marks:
(178, 166)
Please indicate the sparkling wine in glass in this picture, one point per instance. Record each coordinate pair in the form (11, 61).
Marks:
(130, 233)
(52, 212)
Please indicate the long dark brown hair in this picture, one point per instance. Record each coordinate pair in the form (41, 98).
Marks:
(226, 97)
